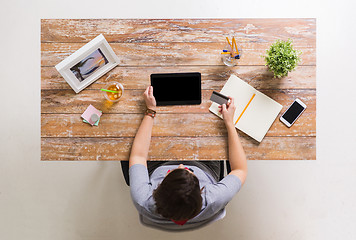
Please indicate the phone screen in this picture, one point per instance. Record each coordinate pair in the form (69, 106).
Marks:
(293, 112)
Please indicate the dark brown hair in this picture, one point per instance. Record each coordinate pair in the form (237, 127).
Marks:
(178, 197)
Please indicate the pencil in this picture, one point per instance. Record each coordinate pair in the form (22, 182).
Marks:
(232, 49)
(245, 108)
(234, 42)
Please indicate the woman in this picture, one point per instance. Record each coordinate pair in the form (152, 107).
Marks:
(172, 196)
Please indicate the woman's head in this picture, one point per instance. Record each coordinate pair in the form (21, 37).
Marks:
(178, 197)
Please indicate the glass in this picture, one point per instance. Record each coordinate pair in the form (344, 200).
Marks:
(229, 59)
(117, 94)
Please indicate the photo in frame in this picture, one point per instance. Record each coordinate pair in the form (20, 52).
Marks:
(88, 63)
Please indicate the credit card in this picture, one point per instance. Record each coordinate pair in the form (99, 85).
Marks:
(219, 98)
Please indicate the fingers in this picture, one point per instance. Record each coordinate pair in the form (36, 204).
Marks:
(149, 98)
(231, 104)
(146, 91)
(223, 108)
(232, 101)
(220, 108)
(150, 91)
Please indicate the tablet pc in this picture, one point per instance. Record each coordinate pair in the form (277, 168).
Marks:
(176, 88)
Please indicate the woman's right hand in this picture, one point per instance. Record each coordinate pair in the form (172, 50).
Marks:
(149, 98)
(228, 111)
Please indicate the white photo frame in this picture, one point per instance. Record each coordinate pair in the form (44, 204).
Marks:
(88, 63)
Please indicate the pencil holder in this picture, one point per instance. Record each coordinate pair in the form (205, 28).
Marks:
(230, 59)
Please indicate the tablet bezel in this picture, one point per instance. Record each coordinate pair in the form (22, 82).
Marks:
(197, 101)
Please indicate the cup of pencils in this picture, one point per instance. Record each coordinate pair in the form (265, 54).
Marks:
(113, 91)
(231, 53)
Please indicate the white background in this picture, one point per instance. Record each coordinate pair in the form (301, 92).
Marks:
(89, 200)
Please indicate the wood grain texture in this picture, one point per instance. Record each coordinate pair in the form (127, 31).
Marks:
(171, 54)
(66, 101)
(146, 46)
(213, 77)
(185, 124)
(177, 148)
(303, 31)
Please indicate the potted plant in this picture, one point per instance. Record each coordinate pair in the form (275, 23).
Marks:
(281, 58)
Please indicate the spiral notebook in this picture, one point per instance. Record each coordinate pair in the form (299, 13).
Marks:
(255, 112)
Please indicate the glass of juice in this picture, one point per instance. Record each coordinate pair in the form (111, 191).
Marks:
(115, 91)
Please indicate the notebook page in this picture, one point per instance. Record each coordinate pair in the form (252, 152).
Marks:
(240, 91)
(259, 116)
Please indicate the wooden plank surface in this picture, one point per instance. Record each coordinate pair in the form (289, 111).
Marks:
(173, 54)
(66, 101)
(185, 124)
(146, 46)
(213, 77)
(176, 148)
(302, 31)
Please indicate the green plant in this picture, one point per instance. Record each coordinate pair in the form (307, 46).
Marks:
(282, 58)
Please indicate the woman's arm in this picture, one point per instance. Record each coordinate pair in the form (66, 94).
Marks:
(237, 155)
(141, 144)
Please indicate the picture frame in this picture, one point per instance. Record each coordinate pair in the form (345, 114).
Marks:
(88, 63)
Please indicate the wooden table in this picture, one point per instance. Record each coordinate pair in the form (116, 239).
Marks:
(147, 46)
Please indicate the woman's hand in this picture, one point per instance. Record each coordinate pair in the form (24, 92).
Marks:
(228, 111)
(149, 98)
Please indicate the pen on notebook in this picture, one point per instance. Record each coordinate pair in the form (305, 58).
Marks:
(245, 108)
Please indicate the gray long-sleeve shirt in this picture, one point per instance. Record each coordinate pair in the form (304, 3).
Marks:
(215, 196)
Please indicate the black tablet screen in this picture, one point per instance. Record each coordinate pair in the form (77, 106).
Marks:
(176, 88)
